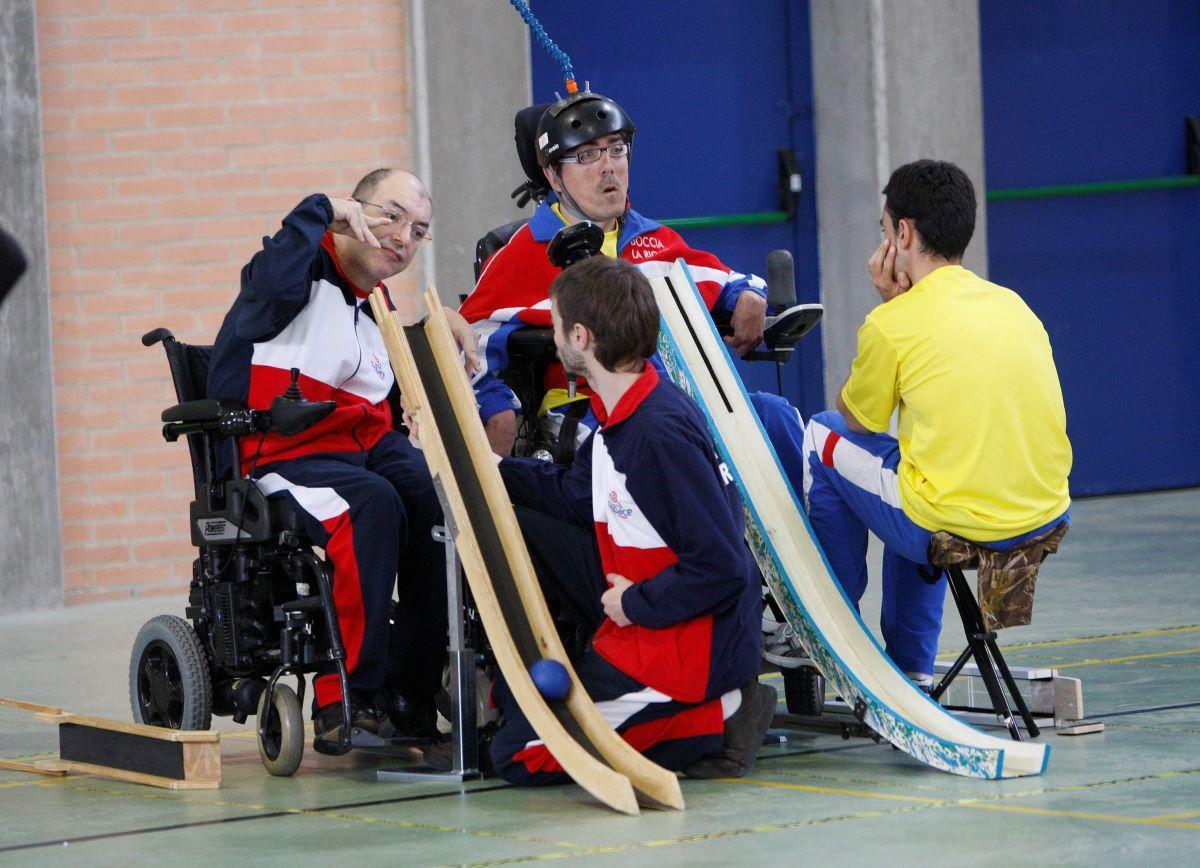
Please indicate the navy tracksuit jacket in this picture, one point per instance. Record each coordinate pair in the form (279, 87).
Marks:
(362, 489)
(668, 517)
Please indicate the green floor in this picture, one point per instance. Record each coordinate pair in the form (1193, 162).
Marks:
(1117, 607)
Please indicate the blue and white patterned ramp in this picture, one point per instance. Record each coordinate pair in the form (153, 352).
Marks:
(796, 570)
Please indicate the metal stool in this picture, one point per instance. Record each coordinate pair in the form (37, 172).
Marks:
(981, 645)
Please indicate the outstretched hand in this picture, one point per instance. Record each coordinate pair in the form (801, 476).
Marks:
(882, 265)
(611, 599)
(349, 220)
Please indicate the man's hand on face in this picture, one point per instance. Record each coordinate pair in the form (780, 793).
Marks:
(611, 599)
(882, 265)
(349, 220)
(749, 314)
(467, 340)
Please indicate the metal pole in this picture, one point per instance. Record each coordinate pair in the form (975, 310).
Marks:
(463, 711)
(463, 719)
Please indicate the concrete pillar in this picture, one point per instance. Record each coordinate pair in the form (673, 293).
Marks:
(30, 554)
(470, 76)
(894, 82)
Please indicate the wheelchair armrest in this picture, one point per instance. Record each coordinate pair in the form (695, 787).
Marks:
(785, 329)
(204, 410)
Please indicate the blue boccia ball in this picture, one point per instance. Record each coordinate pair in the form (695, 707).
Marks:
(551, 679)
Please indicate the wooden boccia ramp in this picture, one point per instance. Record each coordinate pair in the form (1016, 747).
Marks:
(114, 749)
(503, 583)
(795, 568)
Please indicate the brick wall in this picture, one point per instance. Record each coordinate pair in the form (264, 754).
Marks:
(176, 134)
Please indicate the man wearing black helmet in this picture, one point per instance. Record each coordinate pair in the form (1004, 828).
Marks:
(584, 144)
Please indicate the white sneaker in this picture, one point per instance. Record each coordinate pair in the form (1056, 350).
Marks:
(923, 681)
(780, 645)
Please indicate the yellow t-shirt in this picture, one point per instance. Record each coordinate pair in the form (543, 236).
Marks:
(609, 248)
(983, 442)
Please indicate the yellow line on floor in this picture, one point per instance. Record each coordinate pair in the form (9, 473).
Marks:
(834, 791)
(1179, 816)
(604, 850)
(1082, 815)
(911, 804)
(1127, 659)
(33, 757)
(908, 785)
(1111, 782)
(1084, 640)
(972, 804)
(27, 780)
(1150, 726)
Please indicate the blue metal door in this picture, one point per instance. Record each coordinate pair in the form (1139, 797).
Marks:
(1087, 93)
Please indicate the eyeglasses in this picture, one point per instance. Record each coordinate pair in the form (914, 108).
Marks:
(591, 155)
(399, 218)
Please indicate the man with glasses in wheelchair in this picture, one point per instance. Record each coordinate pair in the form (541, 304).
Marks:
(583, 147)
(362, 491)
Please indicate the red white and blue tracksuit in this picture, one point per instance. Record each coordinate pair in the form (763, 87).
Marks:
(668, 517)
(513, 292)
(363, 491)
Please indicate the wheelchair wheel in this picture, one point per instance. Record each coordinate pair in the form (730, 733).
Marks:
(280, 731)
(169, 681)
(484, 712)
(804, 690)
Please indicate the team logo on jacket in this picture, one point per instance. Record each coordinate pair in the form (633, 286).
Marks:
(645, 247)
(614, 506)
(377, 366)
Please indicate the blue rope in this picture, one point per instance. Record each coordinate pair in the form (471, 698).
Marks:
(544, 38)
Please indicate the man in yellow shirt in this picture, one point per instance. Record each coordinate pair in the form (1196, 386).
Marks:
(982, 449)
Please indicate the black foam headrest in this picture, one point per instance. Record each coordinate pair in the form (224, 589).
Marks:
(526, 125)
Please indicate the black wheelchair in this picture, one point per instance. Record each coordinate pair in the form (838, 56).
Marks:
(260, 605)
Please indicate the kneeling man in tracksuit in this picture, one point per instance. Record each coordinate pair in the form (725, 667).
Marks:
(674, 663)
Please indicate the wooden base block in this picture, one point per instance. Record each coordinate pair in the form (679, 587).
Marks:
(29, 706)
(30, 768)
(125, 751)
(1079, 727)
(51, 767)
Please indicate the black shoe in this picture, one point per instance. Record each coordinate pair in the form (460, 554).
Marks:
(327, 725)
(439, 755)
(744, 734)
(410, 718)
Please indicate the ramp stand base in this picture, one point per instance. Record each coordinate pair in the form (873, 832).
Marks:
(1055, 703)
(463, 720)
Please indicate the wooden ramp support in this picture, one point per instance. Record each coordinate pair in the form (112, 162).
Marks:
(151, 755)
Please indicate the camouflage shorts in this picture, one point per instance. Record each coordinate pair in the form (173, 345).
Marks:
(1006, 578)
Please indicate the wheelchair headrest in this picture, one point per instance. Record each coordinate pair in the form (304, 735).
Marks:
(526, 124)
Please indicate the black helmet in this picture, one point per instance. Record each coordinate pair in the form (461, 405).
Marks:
(576, 120)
